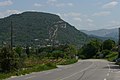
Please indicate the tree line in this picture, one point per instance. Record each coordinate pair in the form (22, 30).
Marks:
(19, 57)
(97, 49)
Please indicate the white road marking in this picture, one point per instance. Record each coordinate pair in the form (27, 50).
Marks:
(77, 72)
(109, 68)
(108, 74)
(105, 79)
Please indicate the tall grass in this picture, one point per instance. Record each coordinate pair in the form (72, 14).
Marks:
(37, 68)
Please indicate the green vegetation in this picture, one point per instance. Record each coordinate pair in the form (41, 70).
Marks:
(89, 50)
(21, 61)
(108, 44)
(67, 61)
(112, 56)
(97, 49)
(32, 28)
(9, 60)
(23, 71)
(35, 51)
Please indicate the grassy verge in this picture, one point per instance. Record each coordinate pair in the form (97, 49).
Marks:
(37, 68)
(67, 61)
(112, 56)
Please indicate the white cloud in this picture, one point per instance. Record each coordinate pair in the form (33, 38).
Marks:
(91, 24)
(8, 12)
(70, 4)
(53, 3)
(114, 22)
(77, 19)
(90, 20)
(60, 5)
(110, 5)
(63, 4)
(104, 13)
(38, 5)
(12, 11)
(72, 17)
(6, 3)
(72, 14)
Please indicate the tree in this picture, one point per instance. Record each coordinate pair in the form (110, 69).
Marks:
(71, 51)
(57, 54)
(108, 44)
(19, 50)
(105, 53)
(89, 50)
(9, 60)
(28, 51)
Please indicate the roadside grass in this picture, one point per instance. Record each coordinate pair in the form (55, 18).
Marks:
(6, 75)
(67, 61)
(36, 68)
(112, 56)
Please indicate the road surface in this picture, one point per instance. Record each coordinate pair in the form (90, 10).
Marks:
(91, 69)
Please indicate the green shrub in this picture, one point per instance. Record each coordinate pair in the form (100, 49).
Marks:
(51, 65)
(10, 60)
(37, 68)
(112, 56)
(106, 52)
(68, 61)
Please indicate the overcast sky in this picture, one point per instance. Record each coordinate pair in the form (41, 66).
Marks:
(83, 14)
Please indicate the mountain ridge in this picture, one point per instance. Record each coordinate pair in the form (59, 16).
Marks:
(28, 26)
(110, 33)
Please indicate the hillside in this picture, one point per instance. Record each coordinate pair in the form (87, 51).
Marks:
(105, 33)
(30, 28)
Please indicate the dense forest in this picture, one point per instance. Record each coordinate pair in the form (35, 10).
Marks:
(33, 28)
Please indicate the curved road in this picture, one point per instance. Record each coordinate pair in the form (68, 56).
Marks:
(92, 69)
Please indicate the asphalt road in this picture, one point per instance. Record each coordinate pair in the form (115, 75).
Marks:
(91, 69)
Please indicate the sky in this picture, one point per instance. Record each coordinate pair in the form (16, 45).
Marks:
(83, 14)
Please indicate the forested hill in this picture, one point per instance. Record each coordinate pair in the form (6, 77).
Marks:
(31, 28)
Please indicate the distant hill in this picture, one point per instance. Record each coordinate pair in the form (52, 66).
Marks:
(31, 28)
(105, 33)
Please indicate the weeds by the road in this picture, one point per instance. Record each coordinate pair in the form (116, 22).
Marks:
(67, 61)
(36, 68)
(47, 65)
(112, 56)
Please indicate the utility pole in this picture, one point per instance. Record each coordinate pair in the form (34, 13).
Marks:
(119, 45)
(11, 41)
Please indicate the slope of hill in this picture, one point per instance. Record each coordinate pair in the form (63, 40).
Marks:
(108, 33)
(31, 28)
